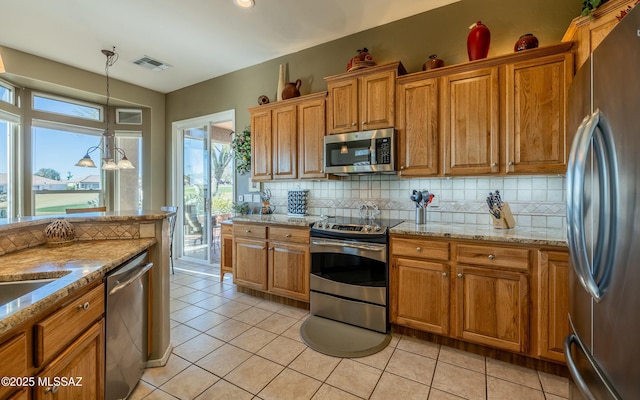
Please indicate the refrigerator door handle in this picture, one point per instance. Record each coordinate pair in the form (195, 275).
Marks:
(575, 373)
(575, 203)
(604, 151)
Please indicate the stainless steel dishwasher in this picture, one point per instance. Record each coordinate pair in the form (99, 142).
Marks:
(126, 327)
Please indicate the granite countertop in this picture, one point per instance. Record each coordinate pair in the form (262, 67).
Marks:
(519, 235)
(74, 267)
(279, 219)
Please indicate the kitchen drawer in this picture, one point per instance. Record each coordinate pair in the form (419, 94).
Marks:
(227, 229)
(493, 256)
(13, 357)
(420, 248)
(56, 331)
(250, 231)
(289, 235)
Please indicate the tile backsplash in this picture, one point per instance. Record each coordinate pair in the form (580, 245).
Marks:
(536, 201)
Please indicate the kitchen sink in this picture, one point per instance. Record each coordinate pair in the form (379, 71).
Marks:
(12, 290)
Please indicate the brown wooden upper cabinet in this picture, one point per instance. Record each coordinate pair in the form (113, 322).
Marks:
(501, 115)
(470, 122)
(363, 99)
(536, 114)
(287, 138)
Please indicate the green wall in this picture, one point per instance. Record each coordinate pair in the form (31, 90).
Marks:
(442, 31)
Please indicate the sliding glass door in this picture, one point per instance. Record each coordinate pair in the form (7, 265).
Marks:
(204, 183)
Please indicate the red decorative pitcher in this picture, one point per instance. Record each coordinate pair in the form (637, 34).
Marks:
(478, 41)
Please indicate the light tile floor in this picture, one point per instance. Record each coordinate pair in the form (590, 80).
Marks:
(228, 345)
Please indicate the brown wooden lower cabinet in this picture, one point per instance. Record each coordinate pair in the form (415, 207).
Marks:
(274, 259)
(226, 250)
(23, 394)
(13, 357)
(553, 304)
(83, 360)
(289, 270)
(423, 301)
(492, 307)
(505, 296)
(250, 263)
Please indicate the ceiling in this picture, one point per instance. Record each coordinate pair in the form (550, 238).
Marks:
(201, 39)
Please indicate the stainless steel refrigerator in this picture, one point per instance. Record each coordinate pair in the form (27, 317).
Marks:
(603, 219)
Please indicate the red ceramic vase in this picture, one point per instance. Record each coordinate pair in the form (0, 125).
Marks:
(526, 41)
(478, 41)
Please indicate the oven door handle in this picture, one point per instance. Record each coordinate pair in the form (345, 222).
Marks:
(359, 246)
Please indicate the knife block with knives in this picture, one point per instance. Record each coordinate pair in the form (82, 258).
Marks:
(500, 212)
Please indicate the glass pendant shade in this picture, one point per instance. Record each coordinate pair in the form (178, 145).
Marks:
(86, 161)
(109, 165)
(125, 163)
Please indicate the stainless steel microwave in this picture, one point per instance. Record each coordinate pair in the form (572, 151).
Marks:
(360, 152)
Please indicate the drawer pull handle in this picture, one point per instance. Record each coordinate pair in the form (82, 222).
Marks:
(418, 249)
(287, 235)
(459, 275)
(491, 256)
(84, 306)
(444, 274)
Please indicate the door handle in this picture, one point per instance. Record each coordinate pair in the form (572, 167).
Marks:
(575, 373)
(129, 281)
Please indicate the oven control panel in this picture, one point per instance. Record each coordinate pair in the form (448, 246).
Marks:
(348, 228)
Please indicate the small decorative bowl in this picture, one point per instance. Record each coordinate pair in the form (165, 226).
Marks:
(59, 233)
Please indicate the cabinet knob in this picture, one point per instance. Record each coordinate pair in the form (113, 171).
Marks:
(287, 235)
(491, 256)
(459, 275)
(364, 122)
(84, 306)
(247, 231)
(402, 167)
(353, 124)
(494, 164)
(322, 171)
(418, 249)
(53, 389)
(444, 274)
(511, 163)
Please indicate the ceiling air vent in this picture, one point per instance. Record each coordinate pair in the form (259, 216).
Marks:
(149, 63)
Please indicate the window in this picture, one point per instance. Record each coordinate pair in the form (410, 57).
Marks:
(6, 93)
(129, 181)
(57, 183)
(67, 107)
(126, 116)
(8, 129)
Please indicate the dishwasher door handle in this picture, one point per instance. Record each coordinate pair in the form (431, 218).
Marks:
(121, 285)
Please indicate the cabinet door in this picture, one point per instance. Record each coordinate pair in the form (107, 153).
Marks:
(492, 307)
(419, 295)
(13, 361)
(226, 255)
(23, 394)
(289, 270)
(553, 304)
(536, 119)
(377, 100)
(342, 106)
(261, 145)
(311, 132)
(418, 128)
(284, 142)
(250, 263)
(83, 358)
(470, 122)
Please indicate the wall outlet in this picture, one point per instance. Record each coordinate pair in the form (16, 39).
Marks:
(435, 203)
(256, 198)
(240, 197)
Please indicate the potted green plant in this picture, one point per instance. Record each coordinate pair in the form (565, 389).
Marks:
(589, 5)
(241, 145)
(240, 208)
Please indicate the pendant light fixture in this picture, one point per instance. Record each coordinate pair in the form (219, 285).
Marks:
(107, 143)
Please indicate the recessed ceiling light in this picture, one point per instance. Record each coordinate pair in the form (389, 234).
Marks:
(244, 3)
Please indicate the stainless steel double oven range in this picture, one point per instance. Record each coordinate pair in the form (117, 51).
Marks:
(350, 271)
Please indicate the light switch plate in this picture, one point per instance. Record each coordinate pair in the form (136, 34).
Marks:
(240, 197)
(256, 198)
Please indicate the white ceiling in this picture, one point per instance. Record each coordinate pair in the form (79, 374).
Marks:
(201, 39)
